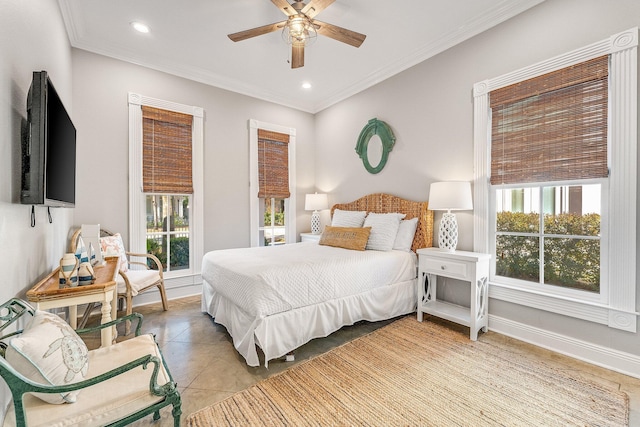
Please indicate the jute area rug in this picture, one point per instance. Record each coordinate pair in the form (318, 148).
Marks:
(420, 374)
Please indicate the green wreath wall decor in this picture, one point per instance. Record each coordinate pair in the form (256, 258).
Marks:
(380, 128)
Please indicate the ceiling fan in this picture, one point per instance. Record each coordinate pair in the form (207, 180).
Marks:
(301, 28)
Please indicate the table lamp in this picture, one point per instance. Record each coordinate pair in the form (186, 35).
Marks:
(449, 196)
(315, 202)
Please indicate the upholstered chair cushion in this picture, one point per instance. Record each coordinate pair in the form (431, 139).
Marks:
(139, 279)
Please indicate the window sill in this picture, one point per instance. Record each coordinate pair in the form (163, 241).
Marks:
(593, 312)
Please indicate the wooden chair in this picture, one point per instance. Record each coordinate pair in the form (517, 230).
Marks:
(131, 282)
(121, 383)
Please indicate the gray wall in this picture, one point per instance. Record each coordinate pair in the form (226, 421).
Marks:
(430, 110)
(100, 88)
(32, 38)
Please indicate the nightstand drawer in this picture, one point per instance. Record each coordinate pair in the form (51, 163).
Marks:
(446, 268)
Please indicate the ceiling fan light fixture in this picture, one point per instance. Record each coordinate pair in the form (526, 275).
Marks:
(299, 30)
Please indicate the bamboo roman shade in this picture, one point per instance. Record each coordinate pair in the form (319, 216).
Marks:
(166, 151)
(552, 127)
(273, 164)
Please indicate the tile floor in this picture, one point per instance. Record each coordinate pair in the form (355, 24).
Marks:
(207, 368)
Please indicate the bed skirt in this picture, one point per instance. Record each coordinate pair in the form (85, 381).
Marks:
(282, 333)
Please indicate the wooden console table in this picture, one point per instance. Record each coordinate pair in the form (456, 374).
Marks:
(47, 294)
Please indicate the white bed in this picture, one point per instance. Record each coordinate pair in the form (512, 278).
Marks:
(279, 298)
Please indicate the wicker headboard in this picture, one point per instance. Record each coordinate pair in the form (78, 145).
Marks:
(386, 203)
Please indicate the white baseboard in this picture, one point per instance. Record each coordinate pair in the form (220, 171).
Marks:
(615, 360)
(174, 292)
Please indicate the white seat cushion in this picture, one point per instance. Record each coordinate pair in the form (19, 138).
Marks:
(139, 279)
(105, 402)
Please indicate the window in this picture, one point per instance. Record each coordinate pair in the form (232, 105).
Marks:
(546, 207)
(550, 128)
(560, 247)
(165, 185)
(272, 176)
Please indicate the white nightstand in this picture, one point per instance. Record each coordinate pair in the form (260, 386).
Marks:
(471, 267)
(309, 237)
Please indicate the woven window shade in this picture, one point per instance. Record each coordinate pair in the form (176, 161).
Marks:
(166, 151)
(552, 127)
(273, 164)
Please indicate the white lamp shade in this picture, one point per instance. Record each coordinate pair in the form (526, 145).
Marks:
(450, 195)
(315, 202)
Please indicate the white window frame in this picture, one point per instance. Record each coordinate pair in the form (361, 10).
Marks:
(290, 203)
(617, 307)
(559, 291)
(137, 198)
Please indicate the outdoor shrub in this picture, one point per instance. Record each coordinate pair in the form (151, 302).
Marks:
(569, 262)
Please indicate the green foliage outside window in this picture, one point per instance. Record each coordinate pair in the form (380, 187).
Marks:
(569, 262)
(179, 252)
(279, 218)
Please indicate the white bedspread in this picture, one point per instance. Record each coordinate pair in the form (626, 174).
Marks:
(267, 280)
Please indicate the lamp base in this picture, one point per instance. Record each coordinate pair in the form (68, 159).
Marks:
(448, 232)
(315, 222)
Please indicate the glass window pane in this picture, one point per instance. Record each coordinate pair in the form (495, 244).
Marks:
(156, 206)
(265, 212)
(168, 230)
(179, 236)
(518, 257)
(179, 252)
(572, 263)
(278, 208)
(518, 210)
(572, 210)
(272, 229)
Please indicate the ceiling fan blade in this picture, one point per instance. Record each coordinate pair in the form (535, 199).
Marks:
(297, 55)
(338, 33)
(285, 7)
(265, 29)
(314, 7)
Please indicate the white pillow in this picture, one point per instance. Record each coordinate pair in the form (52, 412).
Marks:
(384, 228)
(114, 245)
(348, 218)
(49, 352)
(406, 233)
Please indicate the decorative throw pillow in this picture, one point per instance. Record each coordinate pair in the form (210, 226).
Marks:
(113, 245)
(348, 218)
(345, 237)
(406, 233)
(384, 228)
(49, 352)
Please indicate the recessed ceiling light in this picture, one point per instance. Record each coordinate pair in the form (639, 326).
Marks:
(139, 26)
(306, 85)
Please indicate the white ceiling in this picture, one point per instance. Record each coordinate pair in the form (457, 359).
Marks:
(189, 39)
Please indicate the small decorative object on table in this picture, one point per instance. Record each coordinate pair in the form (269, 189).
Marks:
(68, 275)
(86, 276)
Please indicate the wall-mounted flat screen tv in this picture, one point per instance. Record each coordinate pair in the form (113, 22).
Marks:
(49, 150)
